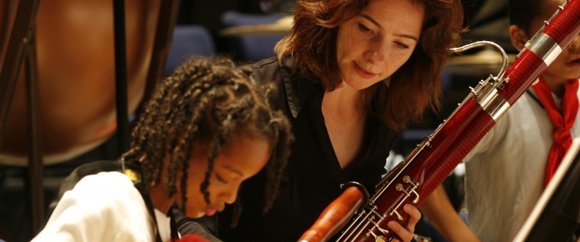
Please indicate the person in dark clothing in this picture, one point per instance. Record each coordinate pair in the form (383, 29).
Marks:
(351, 75)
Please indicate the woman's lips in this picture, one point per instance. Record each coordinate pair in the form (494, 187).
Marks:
(362, 72)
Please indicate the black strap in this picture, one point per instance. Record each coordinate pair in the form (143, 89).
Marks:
(136, 167)
(173, 223)
(150, 208)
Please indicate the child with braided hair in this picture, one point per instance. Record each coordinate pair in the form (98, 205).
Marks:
(206, 129)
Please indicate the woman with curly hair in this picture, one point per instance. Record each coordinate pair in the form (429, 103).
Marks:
(353, 73)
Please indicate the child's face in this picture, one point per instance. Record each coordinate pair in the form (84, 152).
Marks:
(241, 159)
(567, 65)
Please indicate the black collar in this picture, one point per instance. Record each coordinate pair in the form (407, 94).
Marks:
(298, 89)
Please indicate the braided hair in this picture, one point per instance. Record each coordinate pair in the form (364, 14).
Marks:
(206, 101)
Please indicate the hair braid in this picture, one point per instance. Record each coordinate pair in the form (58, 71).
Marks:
(205, 101)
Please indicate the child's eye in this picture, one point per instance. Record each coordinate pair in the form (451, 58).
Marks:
(221, 179)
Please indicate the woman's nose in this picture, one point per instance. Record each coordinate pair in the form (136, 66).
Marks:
(376, 53)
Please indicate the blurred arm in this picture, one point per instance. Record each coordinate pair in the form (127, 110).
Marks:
(443, 216)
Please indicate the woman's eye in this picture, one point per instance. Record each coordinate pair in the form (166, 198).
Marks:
(365, 32)
(401, 45)
(363, 28)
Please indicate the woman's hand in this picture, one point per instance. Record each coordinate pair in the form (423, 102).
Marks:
(406, 234)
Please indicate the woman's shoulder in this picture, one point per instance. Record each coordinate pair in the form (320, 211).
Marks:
(270, 62)
(267, 70)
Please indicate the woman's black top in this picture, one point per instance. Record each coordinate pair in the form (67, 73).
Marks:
(313, 176)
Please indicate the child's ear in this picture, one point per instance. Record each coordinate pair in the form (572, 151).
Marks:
(518, 37)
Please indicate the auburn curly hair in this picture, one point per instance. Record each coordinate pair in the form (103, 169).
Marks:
(413, 88)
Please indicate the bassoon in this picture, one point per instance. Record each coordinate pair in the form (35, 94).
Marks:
(360, 217)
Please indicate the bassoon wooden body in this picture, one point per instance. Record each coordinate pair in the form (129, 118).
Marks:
(438, 154)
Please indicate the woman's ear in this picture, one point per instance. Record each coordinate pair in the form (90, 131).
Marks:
(518, 37)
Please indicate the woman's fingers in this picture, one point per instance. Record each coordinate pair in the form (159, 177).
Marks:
(414, 216)
(406, 234)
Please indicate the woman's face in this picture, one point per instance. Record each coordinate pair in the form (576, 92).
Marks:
(238, 161)
(376, 42)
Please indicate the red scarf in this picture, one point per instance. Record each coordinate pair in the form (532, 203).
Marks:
(562, 121)
(192, 238)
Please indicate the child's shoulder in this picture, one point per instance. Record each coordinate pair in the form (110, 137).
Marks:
(109, 184)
